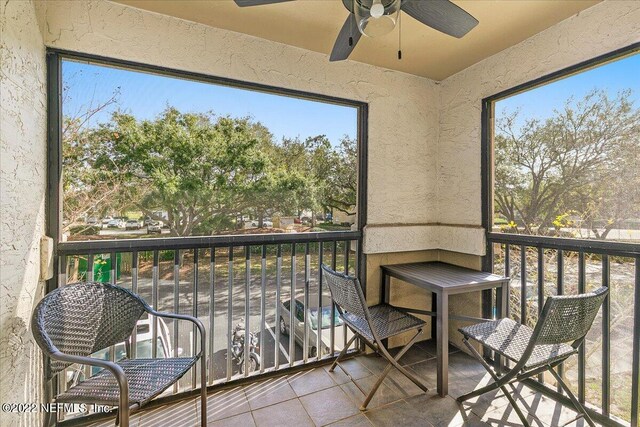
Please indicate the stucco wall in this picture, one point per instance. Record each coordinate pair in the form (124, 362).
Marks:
(401, 186)
(22, 196)
(424, 138)
(603, 28)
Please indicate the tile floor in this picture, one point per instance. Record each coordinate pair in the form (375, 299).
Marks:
(319, 398)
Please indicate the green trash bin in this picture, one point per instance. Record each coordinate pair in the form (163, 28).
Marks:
(101, 267)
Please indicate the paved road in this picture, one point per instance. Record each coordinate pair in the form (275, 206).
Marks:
(166, 302)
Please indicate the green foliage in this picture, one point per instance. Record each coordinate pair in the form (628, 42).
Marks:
(583, 161)
(84, 230)
(202, 171)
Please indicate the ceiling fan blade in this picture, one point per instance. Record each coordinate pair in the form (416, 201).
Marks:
(245, 3)
(442, 15)
(342, 48)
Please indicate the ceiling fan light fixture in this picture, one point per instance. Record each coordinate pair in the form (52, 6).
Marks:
(376, 17)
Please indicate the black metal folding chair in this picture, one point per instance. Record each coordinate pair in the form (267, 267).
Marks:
(74, 321)
(372, 325)
(559, 332)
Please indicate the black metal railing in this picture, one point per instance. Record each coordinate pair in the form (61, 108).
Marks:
(222, 280)
(606, 374)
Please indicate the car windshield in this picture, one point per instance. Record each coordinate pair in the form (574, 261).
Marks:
(326, 318)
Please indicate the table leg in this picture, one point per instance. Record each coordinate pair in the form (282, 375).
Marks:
(385, 288)
(385, 291)
(442, 342)
(504, 303)
(502, 300)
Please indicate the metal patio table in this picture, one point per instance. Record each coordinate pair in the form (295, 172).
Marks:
(443, 280)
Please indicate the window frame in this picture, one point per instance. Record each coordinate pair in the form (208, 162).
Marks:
(487, 162)
(55, 57)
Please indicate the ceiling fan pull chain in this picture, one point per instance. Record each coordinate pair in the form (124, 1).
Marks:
(400, 35)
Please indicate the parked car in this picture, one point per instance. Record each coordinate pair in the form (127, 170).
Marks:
(144, 349)
(133, 224)
(312, 326)
(106, 220)
(116, 223)
(155, 227)
(265, 223)
(92, 221)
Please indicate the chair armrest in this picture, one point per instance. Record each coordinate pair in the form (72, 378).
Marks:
(197, 322)
(114, 368)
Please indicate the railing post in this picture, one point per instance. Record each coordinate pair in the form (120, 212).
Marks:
(635, 380)
(319, 329)
(560, 291)
(581, 350)
(247, 311)
(212, 310)
(540, 288)
(263, 288)
(194, 329)
(229, 312)
(134, 289)
(523, 284)
(606, 339)
(332, 331)
(278, 302)
(305, 335)
(154, 298)
(507, 273)
(292, 308)
(176, 306)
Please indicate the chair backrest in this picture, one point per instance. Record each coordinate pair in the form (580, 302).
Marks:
(568, 318)
(347, 293)
(82, 318)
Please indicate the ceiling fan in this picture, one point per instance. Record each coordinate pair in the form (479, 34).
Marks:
(365, 17)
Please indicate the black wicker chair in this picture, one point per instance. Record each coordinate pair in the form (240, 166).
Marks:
(561, 329)
(74, 321)
(372, 325)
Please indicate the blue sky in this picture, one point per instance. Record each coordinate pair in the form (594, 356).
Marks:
(146, 95)
(540, 102)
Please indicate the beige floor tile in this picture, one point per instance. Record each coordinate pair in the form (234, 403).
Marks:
(285, 414)
(356, 369)
(226, 403)
(396, 414)
(311, 381)
(329, 405)
(268, 392)
(241, 420)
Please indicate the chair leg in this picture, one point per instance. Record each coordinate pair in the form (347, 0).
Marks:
(47, 398)
(489, 387)
(498, 383)
(203, 392)
(342, 353)
(393, 362)
(122, 418)
(578, 406)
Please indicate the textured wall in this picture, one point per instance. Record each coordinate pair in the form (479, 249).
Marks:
(22, 193)
(403, 114)
(600, 29)
(424, 139)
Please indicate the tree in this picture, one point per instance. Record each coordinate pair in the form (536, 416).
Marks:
(329, 173)
(341, 189)
(193, 166)
(90, 185)
(570, 163)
